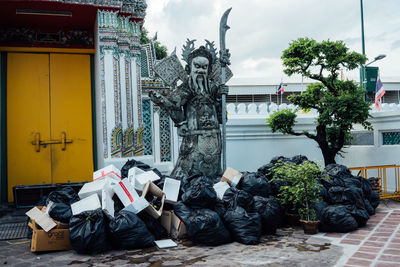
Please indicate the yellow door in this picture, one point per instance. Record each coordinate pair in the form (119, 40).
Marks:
(71, 117)
(48, 103)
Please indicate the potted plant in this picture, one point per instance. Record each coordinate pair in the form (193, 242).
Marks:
(300, 190)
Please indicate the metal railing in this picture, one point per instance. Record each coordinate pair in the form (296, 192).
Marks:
(389, 179)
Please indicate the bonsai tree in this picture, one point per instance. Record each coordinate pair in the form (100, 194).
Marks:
(339, 104)
(301, 187)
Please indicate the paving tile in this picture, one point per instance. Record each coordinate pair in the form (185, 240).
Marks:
(394, 245)
(351, 242)
(369, 249)
(358, 262)
(357, 237)
(392, 251)
(389, 258)
(386, 264)
(374, 244)
(361, 232)
(338, 235)
(395, 240)
(363, 255)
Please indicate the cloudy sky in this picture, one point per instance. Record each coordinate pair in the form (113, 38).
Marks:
(262, 29)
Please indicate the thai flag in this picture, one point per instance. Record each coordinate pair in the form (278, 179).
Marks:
(280, 90)
(379, 92)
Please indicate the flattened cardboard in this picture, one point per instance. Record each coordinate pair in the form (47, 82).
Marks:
(165, 243)
(231, 176)
(125, 192)
(42, 219)
(109, 171)
(171, 189)
(89, 203)
(152, 189)
(166, 220)
(55, 239)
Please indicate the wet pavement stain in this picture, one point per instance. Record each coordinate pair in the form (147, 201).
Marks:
(308, 247)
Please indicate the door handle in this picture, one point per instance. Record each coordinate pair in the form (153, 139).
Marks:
(63, 141)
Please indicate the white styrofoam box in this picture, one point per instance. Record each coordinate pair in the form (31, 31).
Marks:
(94, 187)
(137, 205)
(143, 178)
(165, 243)
(220, 189)
(107, 204)
(171, 189)
(125, 191)
(132, 174)
(91, 202)
(109, 171)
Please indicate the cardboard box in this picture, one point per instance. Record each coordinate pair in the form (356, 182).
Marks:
(231, 176)
(41, 218)
(174, 226)
(150, 190)
(94, 187)
(125, 192)
(142, 178)
(109, 171)
(220, 189)
(89, 203)
(171, 189)
(55, 239)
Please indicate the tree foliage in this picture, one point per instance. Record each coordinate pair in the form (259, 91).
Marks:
(301, 187)
(161, 50)
(340, 104)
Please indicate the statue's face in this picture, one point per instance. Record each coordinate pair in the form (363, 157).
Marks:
(199, 66)
(198, 72)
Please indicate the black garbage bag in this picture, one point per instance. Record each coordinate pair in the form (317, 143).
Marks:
(337, 170)
(66, 195)
(366, 187)
(127, 231)
(266, 171)
(199, 192)
(244, 227)
(319, 208)
(360, 214)
(255, 185)
(87, 232)
(234, 197)
(350, 195)
(368, 207)
(133, 163)
(298, 159)
(182, 211)
(205, 227)
(153, 225)
(60, 212)
(276, 186)
(275, 160)
(337, 218)
(324, 194)
(270, 211)
(374, 199)
(118, 205)
(220, 208)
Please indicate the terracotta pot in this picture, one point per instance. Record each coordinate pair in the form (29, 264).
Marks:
(292, 219)
(310, 227)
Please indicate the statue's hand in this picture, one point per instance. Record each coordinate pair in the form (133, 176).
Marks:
(223, 89)
(156, 97)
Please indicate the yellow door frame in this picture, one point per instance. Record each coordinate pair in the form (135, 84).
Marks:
(3, 104)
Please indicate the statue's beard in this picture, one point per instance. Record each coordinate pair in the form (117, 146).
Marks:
(199, 82)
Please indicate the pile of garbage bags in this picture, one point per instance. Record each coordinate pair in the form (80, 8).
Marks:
(132, 208)
(347, 201)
